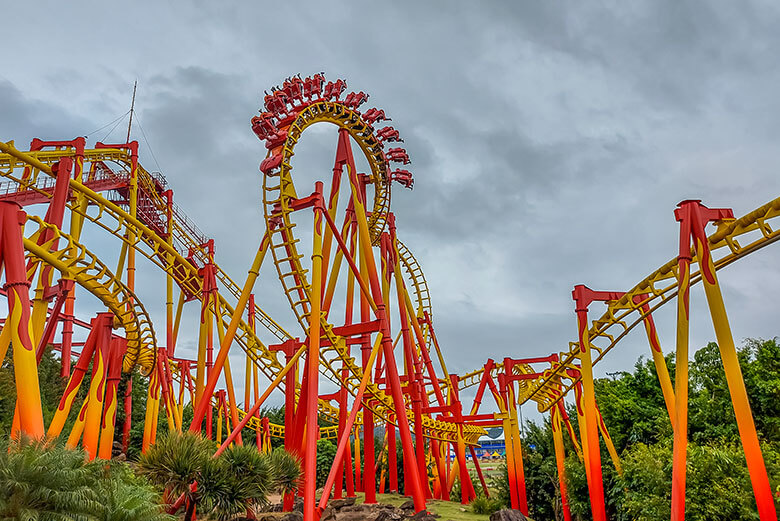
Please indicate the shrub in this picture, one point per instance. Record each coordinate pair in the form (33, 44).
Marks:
(486, 506)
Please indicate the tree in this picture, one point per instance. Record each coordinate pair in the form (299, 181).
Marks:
(43, 480)
(39, 479)
(227, 485)
(123, 496)
(235, 481)
(174, 463)
(286, 471)
(326, 455)
(718, 485)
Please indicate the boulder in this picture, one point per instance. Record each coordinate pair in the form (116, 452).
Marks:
(328, 514)
(359, 508)
(407, 505)
(508, 514)
(338, 504)
(292, 516)
(389, 514)
(355, 515)
(423, 515)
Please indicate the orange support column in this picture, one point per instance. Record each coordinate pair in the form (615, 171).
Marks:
(693, 216)
(117, 353)
(581, 421)
(12, 219)
(508, 445)
(392, 458)
(555, 423)
(152, 405)
(583, 296)
(97, 388)
(72, 388)
(517, 449)
(89, 418)
(203, 405)
(658, 357)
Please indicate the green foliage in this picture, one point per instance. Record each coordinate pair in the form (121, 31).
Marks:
(499, 485)
(42, 480)
(286, 470)
(175, 462)
(382, 462)
(542, 484)
(236, 480)
(718, 485)
(484, 505)
(633, 406)
(228, 485)
(123, 496)
(326, 455)
(38, 480)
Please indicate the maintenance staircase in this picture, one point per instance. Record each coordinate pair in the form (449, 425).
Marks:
(153, 204)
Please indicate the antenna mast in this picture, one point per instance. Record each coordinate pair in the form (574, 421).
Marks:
(132, 107)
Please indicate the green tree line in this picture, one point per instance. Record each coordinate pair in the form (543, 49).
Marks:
(631, 402)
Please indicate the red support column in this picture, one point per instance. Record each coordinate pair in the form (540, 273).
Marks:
(117, 351)
(128, 403)
(72, 388)
(392, 458)
(342, 401)
(12, 218)
(369, 464)
(313, 361)
(289, 348)
(555, 423)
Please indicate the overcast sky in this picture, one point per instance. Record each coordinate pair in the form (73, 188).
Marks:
(550, 141)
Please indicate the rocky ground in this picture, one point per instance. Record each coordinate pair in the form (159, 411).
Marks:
(349, 510)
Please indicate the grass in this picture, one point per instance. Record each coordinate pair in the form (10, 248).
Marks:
(448, 510)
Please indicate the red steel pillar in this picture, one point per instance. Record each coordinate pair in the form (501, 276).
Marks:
(128, 408)
(313, 359)
(12, 219)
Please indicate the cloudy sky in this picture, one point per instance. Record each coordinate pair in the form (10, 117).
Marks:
(550, 141)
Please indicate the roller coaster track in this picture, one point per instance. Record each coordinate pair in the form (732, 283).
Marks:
(279, 193)
(168, 257)
(731, 241)
(179, 253)
(135, 209)
(75, 262)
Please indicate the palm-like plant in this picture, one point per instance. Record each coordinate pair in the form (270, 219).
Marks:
(127, 497)
(236, 481)
(286, 470)
(40, 480)
(228, 485)
(175, 462)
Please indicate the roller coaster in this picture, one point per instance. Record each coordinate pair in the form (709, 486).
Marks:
(360, 301)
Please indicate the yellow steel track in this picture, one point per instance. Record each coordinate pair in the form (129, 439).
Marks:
(168, 254)
(731, 241)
